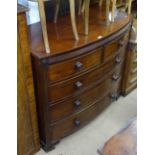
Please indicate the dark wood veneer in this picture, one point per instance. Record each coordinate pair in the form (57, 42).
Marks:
(69, 126)
(61, 70)
(78, 79)
(27, 126)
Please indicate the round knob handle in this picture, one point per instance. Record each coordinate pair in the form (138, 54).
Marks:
(78, 84)
(78, 65)
(77, 103)
(77, 122)
(115, 77)
(118, 60)
(122, 43)
(114, 96)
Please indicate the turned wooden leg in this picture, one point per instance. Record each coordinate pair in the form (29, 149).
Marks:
(113, 10)
(73, 21)
(43, 24)
(100, 3)
(86, 15)
(56, 10)
(107, 11)
(80, 6)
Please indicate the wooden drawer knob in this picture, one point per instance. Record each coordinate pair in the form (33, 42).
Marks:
(114, 96)
(115, 77)
(77, 122)
(118, 60)
(78, 84)
(77, 103)
(78, 65)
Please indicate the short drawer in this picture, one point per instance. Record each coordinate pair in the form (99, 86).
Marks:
(74, 66)
(75, 122)
(65, 108)
(113, 47)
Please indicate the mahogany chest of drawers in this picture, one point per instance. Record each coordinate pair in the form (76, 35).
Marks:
(78, 80)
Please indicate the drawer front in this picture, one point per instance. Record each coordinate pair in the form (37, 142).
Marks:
(111, 48)
(74, 66)
(67, 88)
(65, 108)
(132, 81)
(134, 64)
(133, 73)
(75, 122)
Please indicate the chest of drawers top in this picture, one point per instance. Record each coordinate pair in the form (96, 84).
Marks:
(61, 40)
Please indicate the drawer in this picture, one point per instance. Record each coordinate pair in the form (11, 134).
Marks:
(132, 81)
(134, 64)
(75, 122)
(73, 66)
(113, 47)
(65, 108)
(69, 87)
(133, 73)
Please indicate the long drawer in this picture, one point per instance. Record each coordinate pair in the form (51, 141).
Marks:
(67, 88)
(65, 108)
(62, 109)
(72, 124)
(67, 68)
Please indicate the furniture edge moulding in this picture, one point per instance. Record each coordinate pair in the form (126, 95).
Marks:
(89, 47)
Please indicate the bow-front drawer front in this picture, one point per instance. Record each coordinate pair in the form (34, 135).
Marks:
(114, 46)
(80, 83)
(65, 69)
(65, 108)
(68, 126)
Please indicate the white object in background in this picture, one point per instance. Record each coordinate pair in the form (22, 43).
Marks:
(23, 2)
(33, 13)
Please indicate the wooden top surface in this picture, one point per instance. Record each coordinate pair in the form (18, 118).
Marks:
(61, 38)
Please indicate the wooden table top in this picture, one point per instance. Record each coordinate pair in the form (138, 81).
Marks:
(61, 39)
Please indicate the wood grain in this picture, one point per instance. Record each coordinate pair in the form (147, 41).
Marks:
(80, 72)
(27, 126)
